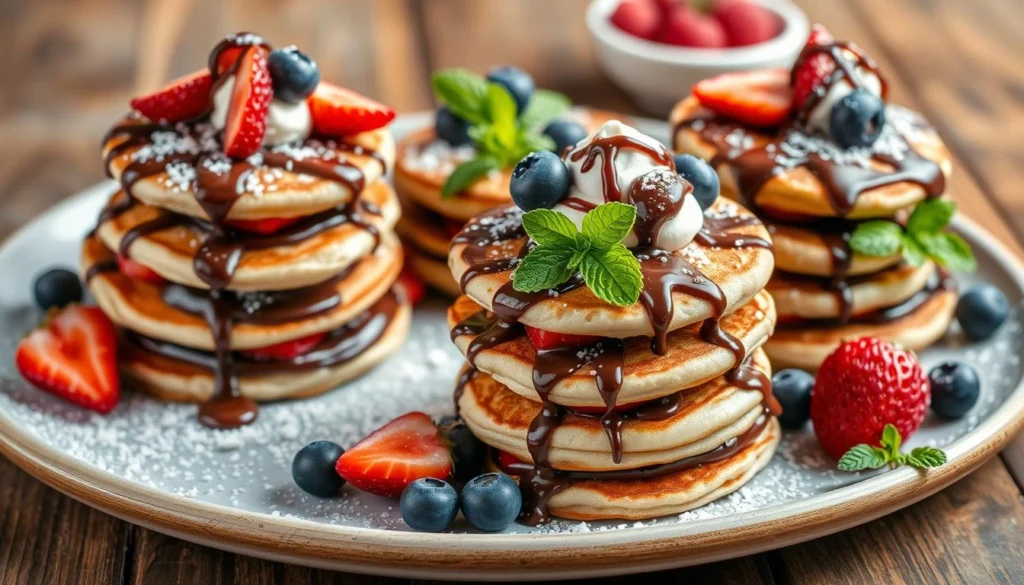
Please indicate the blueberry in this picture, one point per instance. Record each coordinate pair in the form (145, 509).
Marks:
(468, 451)
(313, 469)
(451, 128)
(57, 288)
(955, 389)
(982, 310)
(565, 134)
(539, 181)
(699, 174)
(792, 388)
(293, 74)
(516, 81)
(857, 119)
(429, 505)
(491, 501)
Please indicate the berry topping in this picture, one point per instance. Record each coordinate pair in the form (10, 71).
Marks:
(760, 98)
(451, 128)
(57, 288)
(229, 51)
(686, 27)
(133, 269)
(286, 350)
(565, 134)
(539, 181)
(746, 23)
(415, 290)
(701, 176)
(246, 122)
(549, 340)
(812, 73)
(982, 310)
(861, 386)
(184, 98)
(857, 119)
(491, 501)
(639, 18)
(429, 505)
(294, 75)
(73, 355)
(264, 226)
(402, 451)
(955, 389)
(468, 452)
(792, 388)
(313, 469)
(518, 83)
(340, 112)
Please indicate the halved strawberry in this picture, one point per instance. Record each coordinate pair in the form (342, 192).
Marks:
(759, 98)
(415, 290)
(184, 98)
(340, 112)
(262, 226)
(73, 355)
(550, 340)
(395, 455)
(233, 47)
(286, 350)
(133, 269)
(250, 101)
(812, 72)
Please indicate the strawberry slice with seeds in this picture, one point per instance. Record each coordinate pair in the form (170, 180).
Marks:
(395, 455)
(550, 340)
(73, 355)
(338, 111)
(246, 121)
(286, 350)
(264, 227)
(813, 71)
(182, 99)
(133, 269)
(760, 98)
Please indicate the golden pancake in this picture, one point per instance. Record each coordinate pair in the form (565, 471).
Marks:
(796, 190)
(302, 261)
(688, 361)
(140, 305)
(433, 272)
(423, 229)
(801, 250)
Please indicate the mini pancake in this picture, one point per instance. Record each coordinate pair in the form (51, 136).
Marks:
(169, 378)
(424, 229)
(140, 305)
(740, 273)
(271, 191)
(689, 361)
(170, 251)
(705, 417)
(801, 250)
(432, 271)
(797, 191)
(424, 163)
(812, 297)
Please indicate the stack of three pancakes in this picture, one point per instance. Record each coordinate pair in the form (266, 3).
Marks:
(228, 316)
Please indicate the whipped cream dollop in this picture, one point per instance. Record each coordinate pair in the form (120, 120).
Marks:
(285, 122)
(819, 116)
(677, 219)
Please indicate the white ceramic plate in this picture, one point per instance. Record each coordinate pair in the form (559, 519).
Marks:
(151, 463)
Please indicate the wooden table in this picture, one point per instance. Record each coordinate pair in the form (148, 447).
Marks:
(69, 67)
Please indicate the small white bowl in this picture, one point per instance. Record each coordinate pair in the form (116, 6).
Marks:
(657, 75)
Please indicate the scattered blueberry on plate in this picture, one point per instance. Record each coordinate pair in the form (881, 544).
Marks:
(313, 469)
(699, 174)
(451, 128)
(539, 181)
(792, 388)
(565, 134)
(293, 74)
(857, 119)
(955, 389)
(491, 501)
(468, 452)
(57, 288)
(982, 309)
(429, 505)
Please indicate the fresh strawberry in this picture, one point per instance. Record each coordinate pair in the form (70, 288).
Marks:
(250, 101)
(506, 459)
(184, 98)
(746, 23)
(686, 27)
(133, 269)
(549, 340)
(286, 350)
(759, 98)
(415, 290)
(262, 226)
(74, 356)
(395, 455)
(637, 17)
(237, 43)
(813, 71)
(863, 385)
(341, 112)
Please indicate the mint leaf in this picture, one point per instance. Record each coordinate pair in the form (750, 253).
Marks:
(548, 227)
(613, 274)
(467, 173)
(877, 238)
(891, 441)
(867, 457)
(544, 106)
(501, 113)
(533, 142)
(913, 253)
(924, 457)
(544, 267)
(863, 457)
(930, 216)
(948, 250)
(463, 91)
(608, 224)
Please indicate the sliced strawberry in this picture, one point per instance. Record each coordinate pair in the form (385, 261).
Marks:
(415, 290)
(227, 52)
(74, 356)
(506, 459)
(133, 269)
(395, 455)
(250, 101)
(340, 112)
(265, 227)
(549, 340)
(809, 74)
(184, 98)
(286, 350)
(759, 98)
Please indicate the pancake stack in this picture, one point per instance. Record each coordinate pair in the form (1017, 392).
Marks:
(642, 410)
(215, 307)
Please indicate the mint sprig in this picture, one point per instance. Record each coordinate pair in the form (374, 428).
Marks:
(610, 270)
(501, 137)
(923, 238)
(865, 456)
